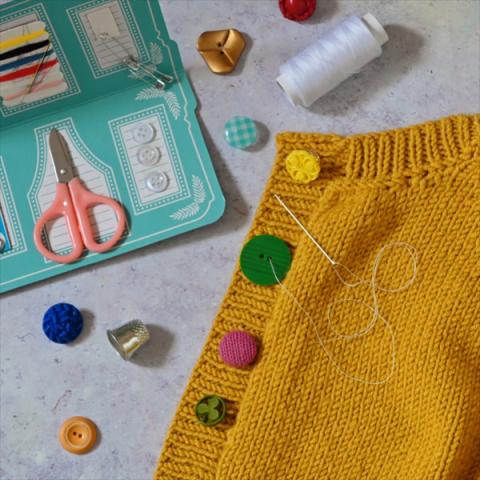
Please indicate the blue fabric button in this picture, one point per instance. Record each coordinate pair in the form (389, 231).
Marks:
(62, 323)
(241, 132)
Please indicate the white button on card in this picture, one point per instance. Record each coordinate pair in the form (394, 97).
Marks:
(143, 133)
(148, 155)
(103, 22)
(157, 182)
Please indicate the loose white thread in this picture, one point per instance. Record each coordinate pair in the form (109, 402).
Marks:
(331, 59)
(374, 287)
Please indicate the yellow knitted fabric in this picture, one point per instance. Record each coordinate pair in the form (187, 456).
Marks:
(292, 415)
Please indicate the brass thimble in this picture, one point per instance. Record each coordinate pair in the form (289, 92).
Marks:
(128, 338)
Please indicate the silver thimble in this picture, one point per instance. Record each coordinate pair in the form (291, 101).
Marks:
(128, 338)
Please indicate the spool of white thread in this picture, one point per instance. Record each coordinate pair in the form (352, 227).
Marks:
(331, 59)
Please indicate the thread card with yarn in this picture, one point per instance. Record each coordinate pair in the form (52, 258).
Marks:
(331, 59)
(341, 335)
(29, 67)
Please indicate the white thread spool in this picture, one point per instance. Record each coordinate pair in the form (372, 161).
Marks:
(331, 59)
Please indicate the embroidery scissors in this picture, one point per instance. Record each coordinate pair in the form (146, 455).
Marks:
(73, 201)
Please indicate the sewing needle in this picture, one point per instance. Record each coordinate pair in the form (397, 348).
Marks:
(309, 235)
(38, 69)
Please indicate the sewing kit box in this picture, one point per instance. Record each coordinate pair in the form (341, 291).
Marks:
(100, 103)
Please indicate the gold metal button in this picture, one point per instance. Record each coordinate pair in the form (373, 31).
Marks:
(221, 49)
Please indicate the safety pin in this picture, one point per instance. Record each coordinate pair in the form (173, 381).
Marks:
(161, 79)
(138, 68)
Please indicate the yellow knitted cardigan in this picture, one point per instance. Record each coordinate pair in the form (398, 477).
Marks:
(292, 415)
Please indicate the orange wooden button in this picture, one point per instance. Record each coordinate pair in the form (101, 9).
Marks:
(78, 435)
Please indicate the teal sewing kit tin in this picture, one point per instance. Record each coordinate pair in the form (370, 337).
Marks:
(111, 81)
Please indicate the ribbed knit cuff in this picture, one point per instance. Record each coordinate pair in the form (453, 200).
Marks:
(400, 158)
(404, 155)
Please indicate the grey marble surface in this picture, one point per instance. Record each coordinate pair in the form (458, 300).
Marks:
(430, 68)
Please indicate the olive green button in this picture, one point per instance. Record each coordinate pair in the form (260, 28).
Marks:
(254, 259)
(211, 410)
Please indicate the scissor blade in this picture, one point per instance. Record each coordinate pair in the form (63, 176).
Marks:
(62, 159)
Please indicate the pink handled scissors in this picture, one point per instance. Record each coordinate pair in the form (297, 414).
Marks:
(73, 201)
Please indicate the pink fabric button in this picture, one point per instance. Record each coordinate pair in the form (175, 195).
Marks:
(238, 349)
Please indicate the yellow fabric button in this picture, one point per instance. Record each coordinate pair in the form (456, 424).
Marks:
(302, 166)
(78, 435)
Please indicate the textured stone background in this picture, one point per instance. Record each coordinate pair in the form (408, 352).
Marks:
(430, 68)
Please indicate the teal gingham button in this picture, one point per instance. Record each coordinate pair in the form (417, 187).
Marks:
(241, 132)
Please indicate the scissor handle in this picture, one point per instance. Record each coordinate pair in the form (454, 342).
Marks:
(83, 200)
(62, 206)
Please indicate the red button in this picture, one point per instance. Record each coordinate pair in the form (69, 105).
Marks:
(298, 10)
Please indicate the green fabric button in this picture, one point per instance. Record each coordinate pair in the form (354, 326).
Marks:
(211, 410)
(254, 259)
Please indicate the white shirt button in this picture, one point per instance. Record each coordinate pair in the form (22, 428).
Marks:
(148, 155)
(157, 182)
(143, 133)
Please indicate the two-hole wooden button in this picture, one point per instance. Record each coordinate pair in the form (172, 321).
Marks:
(78, 435)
